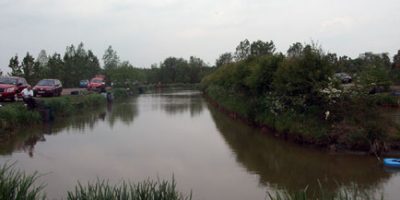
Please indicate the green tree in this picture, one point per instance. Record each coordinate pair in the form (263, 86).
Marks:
(298, 82)
(224, 59)
(16, 69)
(55, 67)
(295, 50)
(396, 60)
(28, 67)
(79, 64)
(174, 70)
(243, 50)
(260, 48)
(110, 58)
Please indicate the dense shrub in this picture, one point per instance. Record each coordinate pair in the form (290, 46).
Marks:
(299, 96)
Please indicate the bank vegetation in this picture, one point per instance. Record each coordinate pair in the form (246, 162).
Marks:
(298, 95)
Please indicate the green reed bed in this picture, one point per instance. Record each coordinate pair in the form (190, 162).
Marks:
(146, 190)
(16, 184)
(16, 115)
(351, 192)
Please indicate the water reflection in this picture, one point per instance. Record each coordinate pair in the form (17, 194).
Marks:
(174, 103)
(284, 165)
(25, 141)
(125, 111)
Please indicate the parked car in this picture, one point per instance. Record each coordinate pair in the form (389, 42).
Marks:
(97, 84)
(83, 83)
(11, 87)
(343, 77)
(48, 87)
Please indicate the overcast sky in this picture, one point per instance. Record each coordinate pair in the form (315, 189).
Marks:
(147, 31)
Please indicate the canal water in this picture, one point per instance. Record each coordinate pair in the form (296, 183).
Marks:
(178, 134)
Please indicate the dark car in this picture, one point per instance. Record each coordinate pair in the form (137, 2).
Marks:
(48, 87)
(11, 87)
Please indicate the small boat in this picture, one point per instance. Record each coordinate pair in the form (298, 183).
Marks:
(391, 162)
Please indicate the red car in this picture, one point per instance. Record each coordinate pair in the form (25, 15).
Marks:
(48, 87)
(97, 84)
(11, 87)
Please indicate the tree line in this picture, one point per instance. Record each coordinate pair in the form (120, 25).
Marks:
(77, 64)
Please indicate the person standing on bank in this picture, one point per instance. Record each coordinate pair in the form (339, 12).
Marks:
(27, 96)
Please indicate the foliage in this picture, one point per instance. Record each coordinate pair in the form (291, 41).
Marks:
(110, 59)
(245, 49)
(16, 115)
(28, 67)
(124, 75)
(298, 82)
(344, 193)
(242, 50)
(67, 105)
(298, 95)
(146, 190)
(16, 68)
(224, 59)
(18, 185)
(79, 64)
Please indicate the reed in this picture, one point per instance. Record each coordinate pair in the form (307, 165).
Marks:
(17, 185)
(146, 190)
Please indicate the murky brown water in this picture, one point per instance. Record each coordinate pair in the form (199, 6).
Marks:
(178, 134)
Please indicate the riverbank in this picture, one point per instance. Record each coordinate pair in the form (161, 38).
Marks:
(348, 135)
(17, 116)
(301, 100)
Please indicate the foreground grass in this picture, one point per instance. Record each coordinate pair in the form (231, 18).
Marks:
(17, 185)
(351, 192)
(146, 190)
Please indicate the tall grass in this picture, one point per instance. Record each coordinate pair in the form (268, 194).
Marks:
(17, 185)
(351, 192)
(16, 115)
(146, 190)
(67, 105)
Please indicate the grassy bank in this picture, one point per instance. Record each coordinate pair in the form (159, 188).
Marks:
(299, 97)
(16, 115)
(17, 185)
